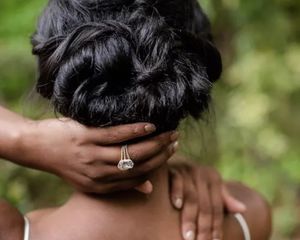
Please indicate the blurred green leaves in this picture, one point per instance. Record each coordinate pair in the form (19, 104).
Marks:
(258, 100)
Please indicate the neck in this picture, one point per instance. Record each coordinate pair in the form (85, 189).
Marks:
(131, 198)
(124, 215)
(122, 203)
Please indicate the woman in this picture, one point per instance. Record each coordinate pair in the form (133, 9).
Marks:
(105, 63)
(24, 142)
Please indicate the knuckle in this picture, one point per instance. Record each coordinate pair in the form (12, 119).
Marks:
(158, 145)
(204, 228)
(93, 174)
(125, 132)
(86, 161)
(191, 198)
(109, 134)
(79, 154)
(89, 173)
(135, 130)
(113, 136)
(206, 212)
(87, 184)
(74, 139)
(163, 139)
(85, 170)
(131, 130)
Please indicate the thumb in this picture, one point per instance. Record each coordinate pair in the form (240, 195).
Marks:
(146, 188)
(231, 203)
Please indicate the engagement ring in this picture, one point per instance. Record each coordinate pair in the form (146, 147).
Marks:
(125, 163)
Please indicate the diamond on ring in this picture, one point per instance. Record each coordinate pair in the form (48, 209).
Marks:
(125, 163)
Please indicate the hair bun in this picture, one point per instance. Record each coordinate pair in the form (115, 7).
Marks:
(109, 66)
(93, 51)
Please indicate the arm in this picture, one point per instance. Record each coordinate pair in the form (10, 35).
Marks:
(85, 157)
(11, 128)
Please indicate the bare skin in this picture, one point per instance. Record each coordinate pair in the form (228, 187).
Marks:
(205, 197)
(86, 158)
(131, 215)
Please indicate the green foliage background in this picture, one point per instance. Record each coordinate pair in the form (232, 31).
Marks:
(255, 135)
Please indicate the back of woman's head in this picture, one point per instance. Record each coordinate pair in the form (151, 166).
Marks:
(110, 62)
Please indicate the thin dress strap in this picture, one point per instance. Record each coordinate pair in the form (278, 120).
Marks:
(26, 229)
(239, 217)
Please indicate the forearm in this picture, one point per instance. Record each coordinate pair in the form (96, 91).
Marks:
(12, 127)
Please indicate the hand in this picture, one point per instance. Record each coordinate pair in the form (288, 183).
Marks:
(87, 158)
(203, 197)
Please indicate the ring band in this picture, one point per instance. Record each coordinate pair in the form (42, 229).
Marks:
(125, 163)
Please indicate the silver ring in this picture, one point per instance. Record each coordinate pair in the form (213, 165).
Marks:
(125, 163)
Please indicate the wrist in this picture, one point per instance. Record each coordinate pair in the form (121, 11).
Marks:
(32, 147)
(10, 135)
(22, 142)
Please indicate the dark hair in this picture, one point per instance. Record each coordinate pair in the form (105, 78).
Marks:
(111, 62)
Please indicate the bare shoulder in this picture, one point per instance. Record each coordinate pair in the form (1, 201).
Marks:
(258, 215)
(37, 215)
(11, 222)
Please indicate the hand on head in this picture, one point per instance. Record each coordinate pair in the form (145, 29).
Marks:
(87, 158)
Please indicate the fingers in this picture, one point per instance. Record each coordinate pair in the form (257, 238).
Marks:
(205, 212)
(138, 152)
(231, 203)
(143, 168)
(190, 209)
(119, 134)
(111, 179)
(217, 210)
(146, 188)
(176, 188)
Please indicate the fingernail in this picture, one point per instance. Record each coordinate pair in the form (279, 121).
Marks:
(189, 235)
(150, 128)
(178, 203)
(216, 236)
(176, 146)
(148, 187)
(174, 136)
(241, 206)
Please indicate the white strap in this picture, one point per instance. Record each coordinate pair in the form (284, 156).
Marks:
(26, 229)
(239, 217)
